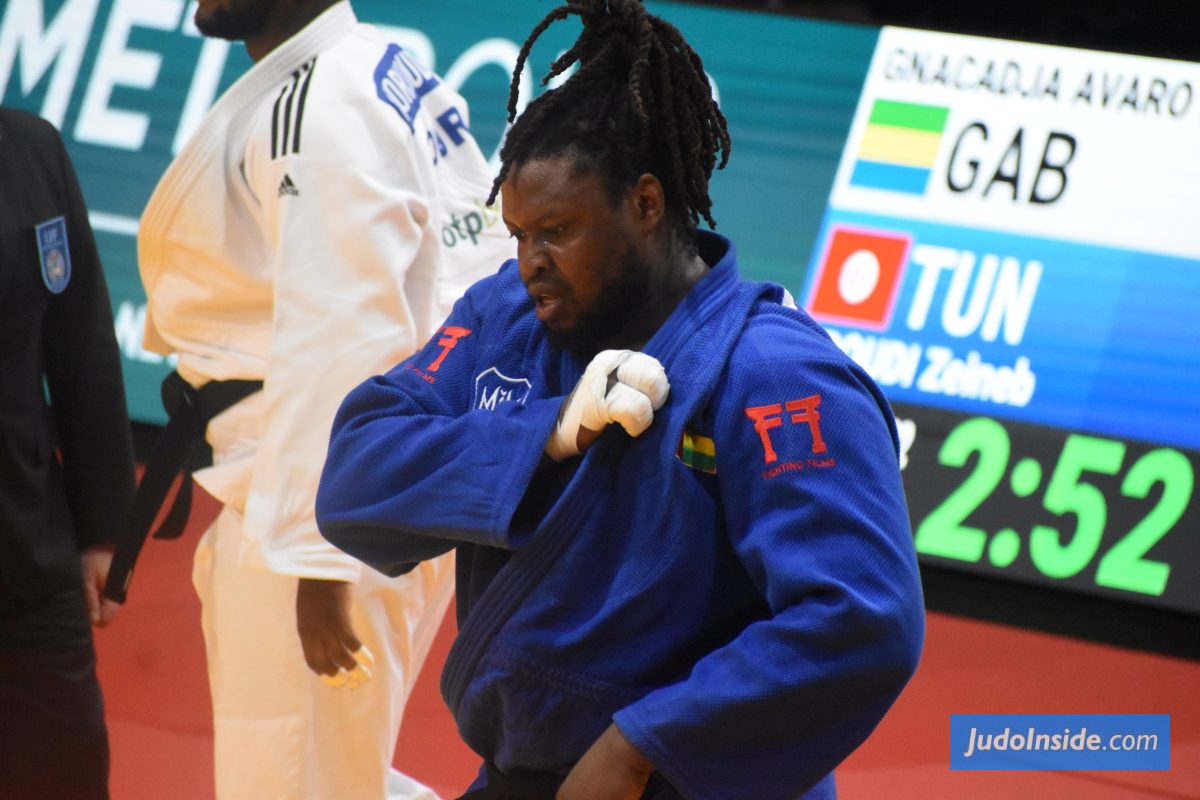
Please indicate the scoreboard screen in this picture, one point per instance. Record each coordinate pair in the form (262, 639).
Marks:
(1011, 250)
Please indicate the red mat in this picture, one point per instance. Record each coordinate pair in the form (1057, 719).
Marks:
(152, 671)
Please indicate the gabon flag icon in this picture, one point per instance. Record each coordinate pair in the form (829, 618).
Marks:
(899, 146)
(859, 277)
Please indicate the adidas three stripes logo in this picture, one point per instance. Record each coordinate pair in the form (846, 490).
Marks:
(288, 113)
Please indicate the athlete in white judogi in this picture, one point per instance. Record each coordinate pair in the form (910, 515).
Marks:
(315, 230)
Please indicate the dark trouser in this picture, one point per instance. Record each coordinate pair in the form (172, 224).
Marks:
(53, 740)
(544, 785)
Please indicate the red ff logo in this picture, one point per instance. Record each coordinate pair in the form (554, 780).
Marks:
(771, 416)
(450, 337)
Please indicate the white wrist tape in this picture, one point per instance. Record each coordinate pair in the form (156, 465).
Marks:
(620, 386)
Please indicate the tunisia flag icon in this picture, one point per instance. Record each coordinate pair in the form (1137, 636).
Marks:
(859, 277)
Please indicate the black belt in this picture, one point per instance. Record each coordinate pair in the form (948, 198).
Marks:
(188, 410)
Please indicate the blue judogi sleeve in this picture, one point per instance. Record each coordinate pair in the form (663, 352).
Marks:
(810, 492)
(412, 468)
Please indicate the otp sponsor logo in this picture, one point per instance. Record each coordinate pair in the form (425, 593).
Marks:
(858, 277)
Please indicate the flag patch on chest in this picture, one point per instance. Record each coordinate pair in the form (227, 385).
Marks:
(698, 452)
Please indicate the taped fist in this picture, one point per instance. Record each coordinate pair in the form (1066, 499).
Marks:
(620, 386)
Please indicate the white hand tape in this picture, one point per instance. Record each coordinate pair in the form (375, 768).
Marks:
(618, 386)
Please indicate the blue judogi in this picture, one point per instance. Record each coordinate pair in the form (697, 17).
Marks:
(736, 588)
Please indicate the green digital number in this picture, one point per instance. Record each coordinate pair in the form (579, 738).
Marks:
(1123, 566)
(943, 533)
(1068, 493)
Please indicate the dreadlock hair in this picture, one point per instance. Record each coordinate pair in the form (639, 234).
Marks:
(640, 102)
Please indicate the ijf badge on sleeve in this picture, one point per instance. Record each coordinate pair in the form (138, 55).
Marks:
(53, 254)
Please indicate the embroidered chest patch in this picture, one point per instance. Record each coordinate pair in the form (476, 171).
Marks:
(53, 254)
(493, 388)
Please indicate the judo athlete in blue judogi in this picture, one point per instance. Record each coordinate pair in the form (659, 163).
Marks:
(684, 561)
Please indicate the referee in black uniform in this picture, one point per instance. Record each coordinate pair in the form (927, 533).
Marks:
(66, 471)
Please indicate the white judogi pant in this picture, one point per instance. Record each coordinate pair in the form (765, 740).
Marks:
(280, 732)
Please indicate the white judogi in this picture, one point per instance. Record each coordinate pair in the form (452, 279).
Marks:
(314, 231)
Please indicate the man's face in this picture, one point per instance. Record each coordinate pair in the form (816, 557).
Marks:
(235, 20)
(578, 254)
